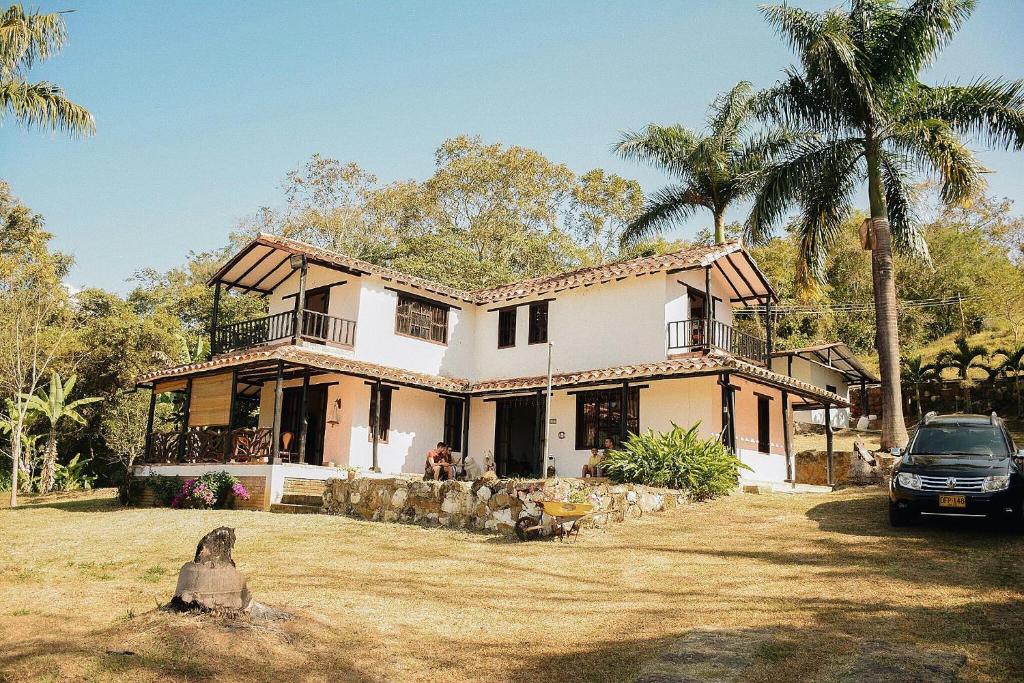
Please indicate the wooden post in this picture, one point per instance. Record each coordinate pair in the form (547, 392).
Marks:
(299, 314)
(828, 441)
(787, 436)
(769, 341)
(789, 365)
(183, 436)
(865, 406)
(538, 432)
(214, 318)
(465, 432)
(709, 314)
(728, 412)
(624, 414)
(275, 454)
(229, 437)
(375, 427)
(303, 418)
(147, 452)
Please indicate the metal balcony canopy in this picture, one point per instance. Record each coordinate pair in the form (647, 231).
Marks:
(746, 281)
(836, 356)
(265, 263)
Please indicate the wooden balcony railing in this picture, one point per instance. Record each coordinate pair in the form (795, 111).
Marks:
(316, 327)
(211, 445)
(699, 334)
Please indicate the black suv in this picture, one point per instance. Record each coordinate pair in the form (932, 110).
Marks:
(962, 465)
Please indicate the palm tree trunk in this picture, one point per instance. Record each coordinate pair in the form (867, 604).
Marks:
(719, 227)
(964, 382)
(887, 341)
(49, 473)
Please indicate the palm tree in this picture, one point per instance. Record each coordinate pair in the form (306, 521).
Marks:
(962, 359)
(53, 405)
(26, 39)
(714, 170)
(915, 373)
(857, 86)
(1014, 362)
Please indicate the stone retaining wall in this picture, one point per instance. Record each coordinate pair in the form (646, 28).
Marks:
(491, 505)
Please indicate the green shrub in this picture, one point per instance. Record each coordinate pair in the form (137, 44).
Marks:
(676, 459)
(164, 488)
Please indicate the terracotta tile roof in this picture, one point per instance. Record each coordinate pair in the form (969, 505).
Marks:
(314, 359)
(675, 367)
(583, 277)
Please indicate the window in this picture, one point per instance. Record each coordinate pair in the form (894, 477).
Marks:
(539, 323)
(599, 415)
(385, 412)
(453, 423)
(506, 328)
(764, 424)
(831, 389)
(421, 318)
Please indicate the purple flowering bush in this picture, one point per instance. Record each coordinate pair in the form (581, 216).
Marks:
(210, 490)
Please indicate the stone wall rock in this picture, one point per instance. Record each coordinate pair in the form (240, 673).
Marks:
(488, 504)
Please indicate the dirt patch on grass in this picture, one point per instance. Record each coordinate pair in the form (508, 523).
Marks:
(81, 580)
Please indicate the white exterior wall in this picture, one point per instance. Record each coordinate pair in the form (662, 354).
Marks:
(684, 401)
(344, 299)
(820, 376)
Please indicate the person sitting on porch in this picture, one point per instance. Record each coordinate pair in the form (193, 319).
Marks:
(439, 460)
(592, 468)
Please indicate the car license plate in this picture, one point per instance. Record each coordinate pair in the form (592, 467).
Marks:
(953, 501)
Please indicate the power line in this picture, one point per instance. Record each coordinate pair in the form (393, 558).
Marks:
(856, 307)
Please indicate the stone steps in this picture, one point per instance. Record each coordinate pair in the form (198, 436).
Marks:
(301, 499)
(291, 509)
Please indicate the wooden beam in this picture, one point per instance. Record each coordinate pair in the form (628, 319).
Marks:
(184, 420)
(787, 437)
(303, 419)
(298, 312)
(149, 423)
(256, 285)
(375, 427)
(237, 282)
(728, 279)
(829, 443)
(278, 407)
(214, 318)
(229, 438)
(743, 277)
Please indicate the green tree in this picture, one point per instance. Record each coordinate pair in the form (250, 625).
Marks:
(26, 39)
(915, 373)
(858, 86)
(603, 205)
(714, 170)
(1013, 361)
(53, 405)
(35, 313)
(962, 358)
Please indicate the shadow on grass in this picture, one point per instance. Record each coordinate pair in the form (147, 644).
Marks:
(85, 501)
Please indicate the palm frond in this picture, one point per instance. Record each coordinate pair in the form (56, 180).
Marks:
(28, 38)
(989, 109)
(924, 28)
(43, 105)
(935, 148)
(730, 113)
(907, 236)
(661, 146)
(662, 209)
(784, 184)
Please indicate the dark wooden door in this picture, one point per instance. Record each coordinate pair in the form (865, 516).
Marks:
(316, 412)
(516, 442)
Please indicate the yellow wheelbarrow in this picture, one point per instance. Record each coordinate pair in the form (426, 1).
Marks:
(529, 528)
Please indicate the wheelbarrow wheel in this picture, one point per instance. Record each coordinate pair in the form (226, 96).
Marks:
(526, 528)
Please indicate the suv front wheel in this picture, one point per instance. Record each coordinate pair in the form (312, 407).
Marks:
(898, 517)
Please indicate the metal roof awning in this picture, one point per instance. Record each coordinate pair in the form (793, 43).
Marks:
(836, 356)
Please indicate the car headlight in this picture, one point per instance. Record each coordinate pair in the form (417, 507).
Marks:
(997, 483)
(909, 480)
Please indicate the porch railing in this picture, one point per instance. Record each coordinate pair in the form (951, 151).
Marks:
(315, 326)
(701, 334)
(211, 445)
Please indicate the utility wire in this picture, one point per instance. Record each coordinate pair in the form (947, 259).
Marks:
(855, 307)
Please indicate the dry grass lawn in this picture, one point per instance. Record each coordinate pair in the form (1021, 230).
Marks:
(80, 582)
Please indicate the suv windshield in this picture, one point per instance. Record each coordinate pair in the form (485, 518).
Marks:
(971, 440)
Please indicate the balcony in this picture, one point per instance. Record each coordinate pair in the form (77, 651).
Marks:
(702, 335)
(199, 445)
(315, 327)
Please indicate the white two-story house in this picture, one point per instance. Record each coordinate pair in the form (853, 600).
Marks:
(357, 365)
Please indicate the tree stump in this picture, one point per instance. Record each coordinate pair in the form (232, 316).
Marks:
(210, 582)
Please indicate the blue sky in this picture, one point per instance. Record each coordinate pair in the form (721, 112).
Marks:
(203, 107)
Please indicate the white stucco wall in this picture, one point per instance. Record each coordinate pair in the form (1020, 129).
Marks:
(820, 376)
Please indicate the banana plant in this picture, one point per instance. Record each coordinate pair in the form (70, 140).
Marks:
(53, 405)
